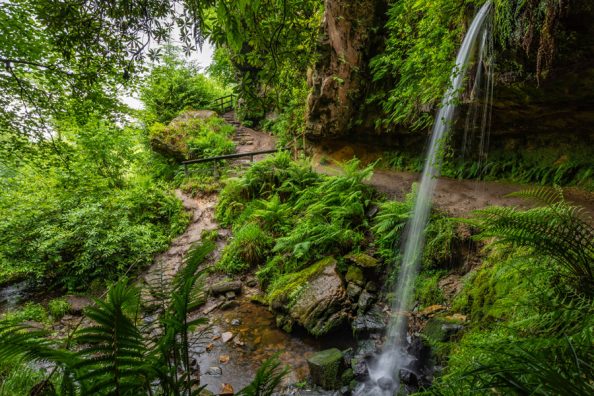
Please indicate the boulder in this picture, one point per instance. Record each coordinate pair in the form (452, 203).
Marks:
(320, 305)
(353, 291)
(77, 304)
(441, 330)
(372, 322)
(225, 287)
(325, 368)
(355, 275)
(362, 260)
(365, 301)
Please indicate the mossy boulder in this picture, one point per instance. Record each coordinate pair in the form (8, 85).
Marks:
(441, 330)
(355, 275)
(363, 260)
(325, 368)
(315, 298)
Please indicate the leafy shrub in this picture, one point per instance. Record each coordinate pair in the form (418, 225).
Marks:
(427, 291)
(176, 85)
(28, 312)
(310, 216)
(192, 136)
(248, 247)
(530, 304)
(70, 223)
(440, 234)
(58, 307)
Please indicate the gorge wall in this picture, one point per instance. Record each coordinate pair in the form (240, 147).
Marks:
(527, 111)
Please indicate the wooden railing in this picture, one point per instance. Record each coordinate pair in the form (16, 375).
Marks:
(250, 154)
(224, 103)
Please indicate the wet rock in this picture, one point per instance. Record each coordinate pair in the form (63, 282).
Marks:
(77, 304)
(252, 283)
(372, 322)
(284, 322)
(440, 330)
(409, 378)
(226, 337)
(355, 275)
(238, 342)
(365, 348)
(325, 367)
(360, 371)
(230, 295)
(347, 356)
(371, 287)
(224, 287)
(211, 307)
(385, 383)
(214, 371)
(229, 305)
(236, 322)
(365, 301)
(322, 305)
(353, 291)
(362, 260)
(226, 390)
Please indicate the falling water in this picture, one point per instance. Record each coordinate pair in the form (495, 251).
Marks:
(384, 374)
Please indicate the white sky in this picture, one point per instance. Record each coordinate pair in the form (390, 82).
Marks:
(203, 58)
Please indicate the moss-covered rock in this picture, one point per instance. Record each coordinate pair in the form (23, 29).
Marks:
(355, 275)
(363, 260)
(325, 368)
(314, 298)
(441, 330)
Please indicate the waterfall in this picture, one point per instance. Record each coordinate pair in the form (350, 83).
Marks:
(384, 374)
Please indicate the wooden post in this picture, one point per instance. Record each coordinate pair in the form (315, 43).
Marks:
(186, 170)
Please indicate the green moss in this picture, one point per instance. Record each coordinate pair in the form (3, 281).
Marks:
(363, 260)
(427, 290)
(29, 312)
(324, 367)
(249, 246)
(288, 287)
(355, 274)
(58, 307)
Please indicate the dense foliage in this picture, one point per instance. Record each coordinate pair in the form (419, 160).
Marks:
(118, 353)
(98, 214)
(422, 40)
(285, 216)
(174, 85)
(530, 305)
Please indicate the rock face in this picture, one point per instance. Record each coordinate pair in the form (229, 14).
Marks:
(339, 78)
(320, 305)
(325, 368)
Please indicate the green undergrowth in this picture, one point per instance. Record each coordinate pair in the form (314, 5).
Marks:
(545, 166)
(288, 287)
(93, 212)
(284, 216)
(530, 305)
(442, 238)
(192, 136)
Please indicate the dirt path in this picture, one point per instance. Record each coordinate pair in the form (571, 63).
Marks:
(460, 197)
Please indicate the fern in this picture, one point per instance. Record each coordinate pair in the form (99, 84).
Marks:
(268, 378)
(111, 360)
(557, 231)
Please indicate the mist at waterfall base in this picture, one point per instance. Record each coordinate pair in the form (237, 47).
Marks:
(384, 371)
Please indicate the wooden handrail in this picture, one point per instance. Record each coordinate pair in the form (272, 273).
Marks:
(230, 156)
(224, 102)
(226, 157)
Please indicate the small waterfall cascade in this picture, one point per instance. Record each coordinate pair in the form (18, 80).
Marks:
(384, 373)
(480, 99)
